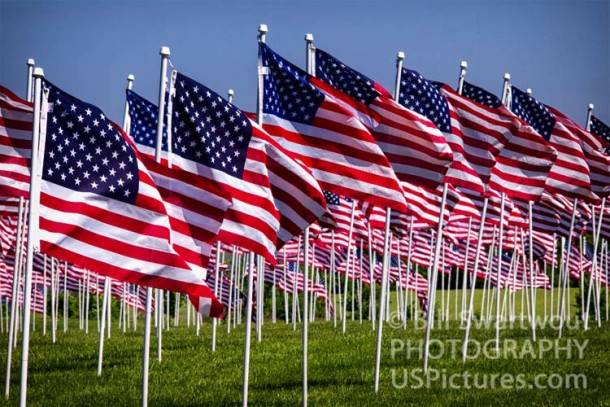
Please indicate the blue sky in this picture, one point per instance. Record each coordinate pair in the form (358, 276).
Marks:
(561, 49)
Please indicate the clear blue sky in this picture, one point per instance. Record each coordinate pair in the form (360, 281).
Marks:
(561, 49)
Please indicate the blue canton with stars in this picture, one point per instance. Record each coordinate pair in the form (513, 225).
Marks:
(332, 199)
(143, 116)
(600, 128)
(85, 152)
(344, 78)
(208, 129)
(288, 94)
(533, 113)
(481, 96)
(423, 97)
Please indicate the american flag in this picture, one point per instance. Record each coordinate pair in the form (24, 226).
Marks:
(600, 128)
(413, 145)
(296, 193)
(274, 197)
(8, 233)
(228, 293)
(196, 206)
(143, 125)
(593, 149)
(570, 174)
(15, 149)
(214, 139)
(342, 155)
(341, 210)
(523, 164)
(425, 204)
(481, 131)
(422, 96)
(99, 207)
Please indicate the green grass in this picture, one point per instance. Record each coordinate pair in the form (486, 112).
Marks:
(341, 367)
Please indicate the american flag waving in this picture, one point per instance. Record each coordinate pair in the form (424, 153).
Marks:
(414, 146)
(592, 148)
(600, 129)
(99, 207)
(214, 139)
(526, 159)
(421, 95)
(143, 125)
(570, 174)
(196, 206)
(326, 137)
(15, 149)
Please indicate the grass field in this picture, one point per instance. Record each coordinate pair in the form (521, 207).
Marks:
(341, 367)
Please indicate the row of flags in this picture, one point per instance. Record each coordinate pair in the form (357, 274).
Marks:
(326, 143)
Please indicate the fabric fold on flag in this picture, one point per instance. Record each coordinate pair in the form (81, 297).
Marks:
(570, 175)
(15, 148)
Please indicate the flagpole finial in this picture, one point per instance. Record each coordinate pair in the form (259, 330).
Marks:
(262, 33)
(38, 72)
(31, 62)
(164, 51)
(528, 91)
(507, 76)
(400, 56)
(309, 37)
(230, 92)
(130, 77)
(462, 77)
(590, 106)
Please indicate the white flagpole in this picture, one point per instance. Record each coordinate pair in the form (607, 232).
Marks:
(564, 277)
(106, 300)
(294, 287)
(475, 267)
(103, 324)
(262, 33)
(594, 266)
(30, 78)
(465, 271)
(305, 313)
(310, 61)
(231, 292)
(32, 233)
(216, 274)
(159, 303)
(14, 296)
(386, 249)
(66, 297)
(165, 53)
(499, 269)
(44, 295)
(596, 233)
(382, 305)
(347, 264)
(408, 300)
(531, 258)
(372, 299)
(248, 323)
(333, 276)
